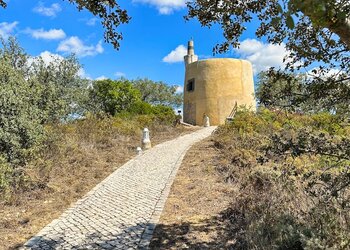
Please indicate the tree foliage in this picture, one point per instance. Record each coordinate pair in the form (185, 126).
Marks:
(297, 21)
(158, 92)
(33, 93)
(60, 90)
(113, 97)
(287, 92)
(130, 98)
(293, 92)
(20, 119)
(110, 13)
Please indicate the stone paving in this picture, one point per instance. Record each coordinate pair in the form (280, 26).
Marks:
(122, 211)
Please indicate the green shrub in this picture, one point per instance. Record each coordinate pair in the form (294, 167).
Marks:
(164, 114)
(329, 123)
(156, 93)
(113, 97)
(20, 119)
(141, 108)
(5, 175)
(292, 173)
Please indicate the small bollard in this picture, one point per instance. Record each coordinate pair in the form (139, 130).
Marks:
(146, 142)
(206, 121)
(138, 150)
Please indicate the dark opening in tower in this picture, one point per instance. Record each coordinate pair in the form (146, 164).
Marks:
(190, 85)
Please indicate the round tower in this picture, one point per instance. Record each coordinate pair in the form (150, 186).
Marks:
(213, 87)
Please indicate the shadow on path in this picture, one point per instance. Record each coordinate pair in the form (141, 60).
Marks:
(223, 231)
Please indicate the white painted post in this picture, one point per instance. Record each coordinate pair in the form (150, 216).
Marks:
(146, 142)
(139, 150)
(206, 121)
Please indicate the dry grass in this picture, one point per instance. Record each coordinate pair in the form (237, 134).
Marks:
(229, 195)
(78, 158)
(193, 214)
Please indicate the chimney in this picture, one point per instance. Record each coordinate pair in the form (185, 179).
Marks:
(190, 57)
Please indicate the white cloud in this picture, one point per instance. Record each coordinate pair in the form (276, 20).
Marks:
(49, 57)
(76, 46)
(83, 74)
(324, 74)
(92, 21)
(262, 55)
(176, 55)
(165, 10)
(52, 34)
(47, 11)
(101, 78)
(119, 74)
(7, 28)
(165, 7)
(179, 89)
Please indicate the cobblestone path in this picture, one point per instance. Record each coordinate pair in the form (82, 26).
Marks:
(122, 211)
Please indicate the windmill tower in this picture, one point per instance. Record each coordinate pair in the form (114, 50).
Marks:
(212, 87)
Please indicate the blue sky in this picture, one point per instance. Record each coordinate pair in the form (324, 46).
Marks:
(153, 44)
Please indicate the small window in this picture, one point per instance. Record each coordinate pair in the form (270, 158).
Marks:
(190, 85)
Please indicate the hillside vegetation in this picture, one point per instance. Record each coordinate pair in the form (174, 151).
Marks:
(293, 176)
(44, 101)
(61, 134)
(268, 180)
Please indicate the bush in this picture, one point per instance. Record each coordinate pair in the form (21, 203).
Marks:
(158, 93)
(292, 173)
(164, 114)
(20, 119)
(32, 94)
(120, 98)
(113, 97)
(5, 175)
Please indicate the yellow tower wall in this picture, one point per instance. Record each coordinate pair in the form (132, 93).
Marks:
(218, 84)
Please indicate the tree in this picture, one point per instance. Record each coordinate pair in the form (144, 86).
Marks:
(33, 93)
(158, 92)
(277, 20)
(287, 92)
(113, 97)
(293, 92)
(20, 118)
(61, 91)
(110, 13)
(58, 88)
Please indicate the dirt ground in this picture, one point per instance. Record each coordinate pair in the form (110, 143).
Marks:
(194, 216)
(83, 167)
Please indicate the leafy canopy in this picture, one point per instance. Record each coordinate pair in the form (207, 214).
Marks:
(292, 92)
(158, 92)
(110, 13)
(113, 97)
(33, 93)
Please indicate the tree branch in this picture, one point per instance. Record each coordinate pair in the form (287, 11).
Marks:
(342, 29)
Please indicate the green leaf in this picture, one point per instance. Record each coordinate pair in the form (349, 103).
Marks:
(290, 22)
(341, 15)
(275, 21)
(279, 8)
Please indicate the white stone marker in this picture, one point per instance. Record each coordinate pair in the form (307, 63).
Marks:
(146, 142)
(139, 150)
(206, 121)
